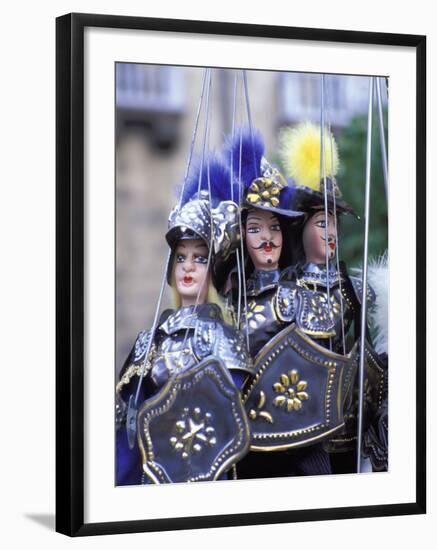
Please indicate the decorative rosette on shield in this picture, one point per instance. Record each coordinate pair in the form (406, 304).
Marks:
(206, 210)
(300, 151)
(258, 184)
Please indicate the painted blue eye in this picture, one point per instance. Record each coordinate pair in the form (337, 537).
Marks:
(275, 227)
(253, 229)
(321, 224)
(180, 258)
(201, 259)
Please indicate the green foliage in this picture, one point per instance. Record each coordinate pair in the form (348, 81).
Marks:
(351, 180)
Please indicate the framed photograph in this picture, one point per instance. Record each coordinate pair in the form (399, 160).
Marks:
(240, 274)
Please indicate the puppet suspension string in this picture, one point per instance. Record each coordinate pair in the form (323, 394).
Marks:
(243, 269)
(241, 241)
(205, 143)
(249, 118)
(240, 253)
(131, 426)
(163, 280)
(237, 252)
(193, 139)
(325, 190)
(382, 135)
(231, 175)
(337, 252)
(364, 279)
(205, 132)
(337, 247)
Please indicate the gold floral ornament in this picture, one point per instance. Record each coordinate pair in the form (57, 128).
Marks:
(265, 190)
(292, 391)
(254, 315)
(193, 432)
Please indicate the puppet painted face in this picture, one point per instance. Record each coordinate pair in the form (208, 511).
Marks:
(263, 239)
(191, 276)
(314, 238)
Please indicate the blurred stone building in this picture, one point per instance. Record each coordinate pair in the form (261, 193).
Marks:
(155, 113)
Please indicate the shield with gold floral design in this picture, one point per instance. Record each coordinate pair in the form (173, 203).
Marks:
(296, 395)
(195, 428)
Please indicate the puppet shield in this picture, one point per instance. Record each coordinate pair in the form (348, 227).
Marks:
(296, 396)
(195, 428)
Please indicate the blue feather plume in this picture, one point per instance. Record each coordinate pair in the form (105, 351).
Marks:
(252, 150)
(219, 180)
(286, 197)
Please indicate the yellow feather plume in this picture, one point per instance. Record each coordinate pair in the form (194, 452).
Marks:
(300, 150)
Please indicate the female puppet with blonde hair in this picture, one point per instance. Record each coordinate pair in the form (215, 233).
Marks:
(192, 345)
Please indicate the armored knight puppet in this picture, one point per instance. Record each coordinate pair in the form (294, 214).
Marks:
(179, 410)
(301, 305)
(291, 397)
(327, 300)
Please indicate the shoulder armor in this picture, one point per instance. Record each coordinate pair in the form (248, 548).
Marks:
(314, 315)
(203, 338)
(357, 285)
(230, 347)
(140, 346)
(285, 303)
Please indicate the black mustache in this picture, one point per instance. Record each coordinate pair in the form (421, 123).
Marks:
(266, 243)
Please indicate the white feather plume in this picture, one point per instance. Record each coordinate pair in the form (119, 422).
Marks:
(377, 278)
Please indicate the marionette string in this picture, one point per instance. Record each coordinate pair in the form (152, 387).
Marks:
(243, 278)
(206, 147)
(334, 201)
(207, 109)
(249, 119)
(231, 183)
(382, 135)
(163, 280)
(325, 190)
(364, 277)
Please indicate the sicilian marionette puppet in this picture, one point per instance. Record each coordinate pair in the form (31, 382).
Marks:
(181, 378)
(291, 399)
(327, 300)
(303, 382)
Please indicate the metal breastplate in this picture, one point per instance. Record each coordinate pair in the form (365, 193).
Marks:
(271, 311)
(171, 356)
(204, 336)
(261, 320)
(319, 316)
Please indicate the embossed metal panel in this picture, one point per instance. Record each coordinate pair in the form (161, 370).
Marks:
(296, 395)
(195, 428)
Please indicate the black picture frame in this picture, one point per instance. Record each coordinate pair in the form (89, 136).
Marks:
(70, 272)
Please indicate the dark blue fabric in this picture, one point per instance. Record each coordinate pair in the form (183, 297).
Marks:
(128, 461)
(238, 377)
(312, 460)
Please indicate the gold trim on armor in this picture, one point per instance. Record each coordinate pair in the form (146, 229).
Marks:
(298, 444)
(130, 372)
